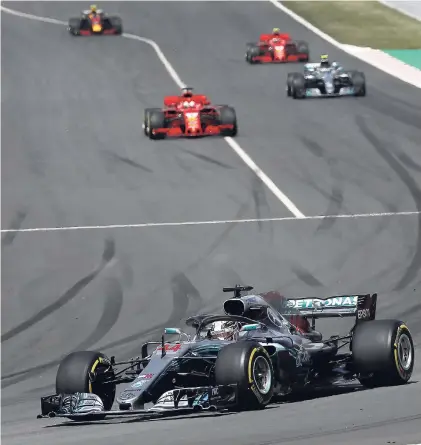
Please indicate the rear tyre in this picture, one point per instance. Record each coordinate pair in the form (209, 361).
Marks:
(117, 24)
(74, 27)
(156, 120)
(303, 48)
(86, 371)
(252, 51)
(248, 365)
(383, 353)
(358, 82)
(227, 116)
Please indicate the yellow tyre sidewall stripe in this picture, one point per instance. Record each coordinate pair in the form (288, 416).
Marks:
(93, 370)
(399, 368)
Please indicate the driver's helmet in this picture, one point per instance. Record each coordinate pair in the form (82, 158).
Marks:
(276, 31)
(93, 9)
(324, 60)
(187, 92)
(224, 330)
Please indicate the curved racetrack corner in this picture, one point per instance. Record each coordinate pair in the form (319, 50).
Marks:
(73, 154)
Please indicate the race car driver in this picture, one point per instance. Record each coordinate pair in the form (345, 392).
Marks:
(324, 61)
(223, 330)
(187, 92)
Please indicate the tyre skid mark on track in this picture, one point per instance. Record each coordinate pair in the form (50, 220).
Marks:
(15, 225)
(114, 157)
(336, 198)
(112, 307)
(107, 256)
(179, 284)
(379, 146)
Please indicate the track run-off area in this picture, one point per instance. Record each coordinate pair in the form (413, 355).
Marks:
(108, 237)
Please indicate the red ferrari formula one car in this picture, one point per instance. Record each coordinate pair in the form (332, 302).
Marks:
(277, 48)
(95, 22)
(189, 115)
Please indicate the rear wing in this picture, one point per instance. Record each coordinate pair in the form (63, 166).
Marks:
(362, 307)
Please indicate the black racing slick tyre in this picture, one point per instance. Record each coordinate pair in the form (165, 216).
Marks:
(74, 27)
(86, 371)
(298, 86)
(289, 83)
(248, 365)
(117, 24)
(358, 82)
(383, 353)
(253, 51)
(156, 120)
(146, 119)
(227, 116)
(303, 48)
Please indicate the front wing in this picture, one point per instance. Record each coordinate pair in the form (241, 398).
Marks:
(290, 58)
(209, 130)
(183, 400)
(315, 92)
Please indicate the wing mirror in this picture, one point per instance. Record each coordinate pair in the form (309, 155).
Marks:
(172, 331)
(250, 327)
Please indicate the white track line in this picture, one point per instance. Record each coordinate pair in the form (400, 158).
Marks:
(172, 72)
(206, 223)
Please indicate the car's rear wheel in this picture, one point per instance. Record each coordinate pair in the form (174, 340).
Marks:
(252, 51)
(117, 24)
(74, 27)
(358, 82)
(383, 353)
(248, 365)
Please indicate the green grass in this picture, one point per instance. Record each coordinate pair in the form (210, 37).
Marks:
(361, 23)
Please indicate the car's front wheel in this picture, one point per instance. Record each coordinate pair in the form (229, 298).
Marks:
(248, 365)
(87, 372)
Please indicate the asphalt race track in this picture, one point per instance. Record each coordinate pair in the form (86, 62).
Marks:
(74, 154)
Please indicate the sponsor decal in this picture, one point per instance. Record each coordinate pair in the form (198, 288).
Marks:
(363, 314)
(215, 392)
(141, 380)
(169, 348)
(315, 303)
(127, 395)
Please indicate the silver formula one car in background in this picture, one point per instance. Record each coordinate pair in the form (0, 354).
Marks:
(325, 79)
(261, 349)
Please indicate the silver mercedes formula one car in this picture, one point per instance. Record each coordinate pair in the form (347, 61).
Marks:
(325, 79)
(263, 348)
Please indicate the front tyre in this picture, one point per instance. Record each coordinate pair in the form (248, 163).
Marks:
(248, 365)
(87, 372)
(383, 353)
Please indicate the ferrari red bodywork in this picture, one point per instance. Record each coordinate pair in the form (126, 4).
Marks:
(191, 116)
(278, 48)
(278, 301)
